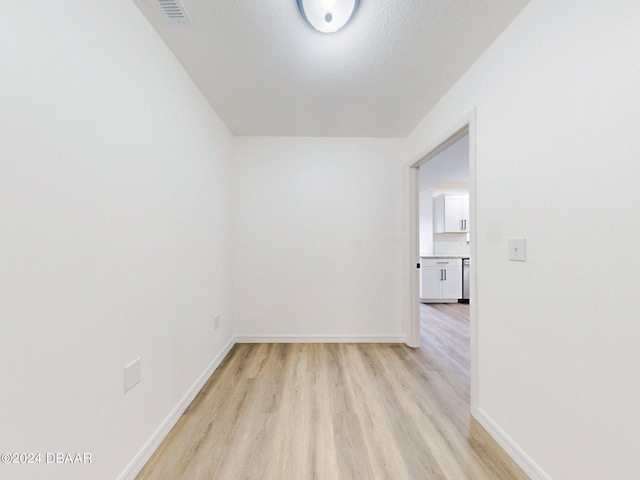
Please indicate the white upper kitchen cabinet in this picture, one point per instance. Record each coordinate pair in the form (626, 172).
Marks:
(451, 213)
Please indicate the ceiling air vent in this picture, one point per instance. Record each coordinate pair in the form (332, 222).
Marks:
(174, 11)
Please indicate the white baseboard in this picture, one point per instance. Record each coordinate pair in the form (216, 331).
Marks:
(515, 452)
(143, 455)
(320, 339)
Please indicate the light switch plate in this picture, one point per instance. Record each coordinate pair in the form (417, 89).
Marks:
(518, 249)
(132, 374)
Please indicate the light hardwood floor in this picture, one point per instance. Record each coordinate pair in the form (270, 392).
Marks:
(338, 411)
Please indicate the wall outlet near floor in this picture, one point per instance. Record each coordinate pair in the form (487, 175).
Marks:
(518, 249)
(132, 374)
(216, 322)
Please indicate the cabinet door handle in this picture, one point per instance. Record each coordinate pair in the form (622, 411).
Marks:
(441, 274)
(461, 224)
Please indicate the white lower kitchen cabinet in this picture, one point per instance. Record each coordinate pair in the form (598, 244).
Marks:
(440, 279)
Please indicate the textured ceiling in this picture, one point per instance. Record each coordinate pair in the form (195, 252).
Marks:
(266, 72)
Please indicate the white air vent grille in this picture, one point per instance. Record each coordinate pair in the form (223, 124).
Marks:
(174, 11)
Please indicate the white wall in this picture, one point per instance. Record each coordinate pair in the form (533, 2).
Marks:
(115, 180)
(557, 155)
(318, 238)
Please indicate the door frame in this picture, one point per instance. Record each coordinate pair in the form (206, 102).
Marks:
(466, 124)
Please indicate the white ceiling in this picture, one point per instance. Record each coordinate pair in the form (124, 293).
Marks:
(266, 72)
(449, 168)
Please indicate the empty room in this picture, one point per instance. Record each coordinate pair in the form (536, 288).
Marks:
(211, 254)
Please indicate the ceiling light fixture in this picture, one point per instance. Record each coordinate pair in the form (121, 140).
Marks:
(327, 16)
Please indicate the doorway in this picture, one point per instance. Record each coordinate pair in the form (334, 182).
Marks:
(465, 127)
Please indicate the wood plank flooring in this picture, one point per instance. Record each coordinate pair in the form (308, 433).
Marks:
(338, 411)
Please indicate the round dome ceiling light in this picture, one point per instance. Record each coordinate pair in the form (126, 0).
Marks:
(327, 16)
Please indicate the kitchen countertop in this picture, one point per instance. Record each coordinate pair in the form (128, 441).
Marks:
(444, 256)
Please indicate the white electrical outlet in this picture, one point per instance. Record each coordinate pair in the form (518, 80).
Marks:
(518, 249)
(216, 322)
(132, 374)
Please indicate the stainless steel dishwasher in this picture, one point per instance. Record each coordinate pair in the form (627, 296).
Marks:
(465, 280)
